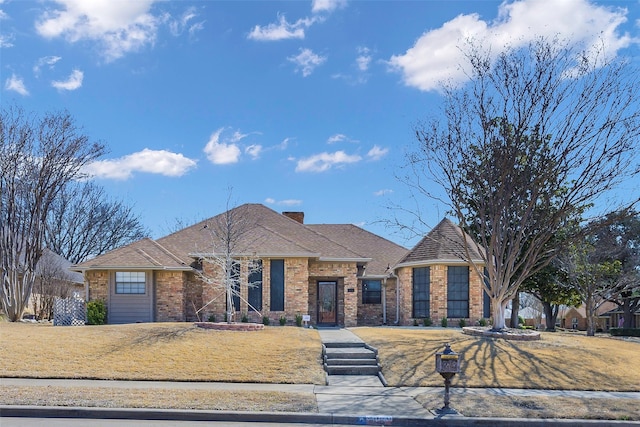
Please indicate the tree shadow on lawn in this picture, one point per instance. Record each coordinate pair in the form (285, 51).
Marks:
(487, 362)
(150, 336)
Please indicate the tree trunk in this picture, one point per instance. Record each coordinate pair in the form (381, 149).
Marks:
(590, 312)
(515, 309)
(550, 316)
(498, 308)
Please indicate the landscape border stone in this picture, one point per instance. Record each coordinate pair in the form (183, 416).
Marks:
(224, 326)
(507, 334)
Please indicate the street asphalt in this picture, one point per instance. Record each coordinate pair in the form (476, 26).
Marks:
(345, 400)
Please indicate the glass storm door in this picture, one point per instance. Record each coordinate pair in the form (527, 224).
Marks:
(327, 303)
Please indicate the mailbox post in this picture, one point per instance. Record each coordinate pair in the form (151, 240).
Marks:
(447, 365)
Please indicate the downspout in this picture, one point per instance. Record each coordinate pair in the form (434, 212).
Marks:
(384, 301)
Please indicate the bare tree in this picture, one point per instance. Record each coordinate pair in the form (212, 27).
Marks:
(83, 223)
(38, 157)
(230, 249)
(534, 138)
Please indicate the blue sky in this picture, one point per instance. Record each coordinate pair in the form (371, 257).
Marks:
(299, 105)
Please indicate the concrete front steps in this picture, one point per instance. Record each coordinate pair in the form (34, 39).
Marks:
(351, 358)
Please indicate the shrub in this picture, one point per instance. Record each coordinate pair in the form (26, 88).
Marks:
(283, 320)
(298, 319)
(212, 318)
(443, 322)
(625, 332)
(427, 321)
(521, 320)
(265, 320)
(462, 323)
(415, 322)
(482, 322)
(96, 312)
(245, 318)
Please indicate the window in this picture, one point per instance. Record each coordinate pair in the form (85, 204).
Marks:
(235, 285)
(458, 292)
(255, 284)
(421, 292)
(277, 285)
(131, 282)
(371, 292)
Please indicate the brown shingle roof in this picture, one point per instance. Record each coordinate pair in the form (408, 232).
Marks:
(262, 232)
(383, 252)
(144, 253)
(445, 242)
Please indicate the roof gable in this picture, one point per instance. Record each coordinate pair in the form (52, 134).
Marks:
(445, 242)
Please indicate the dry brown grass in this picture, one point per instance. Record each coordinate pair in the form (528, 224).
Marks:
(537, 407)
(557, 361)
(181, 351)
(161, 351)
(259, 401)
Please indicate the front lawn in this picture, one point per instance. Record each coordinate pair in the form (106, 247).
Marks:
(557, 361)
(161, 351)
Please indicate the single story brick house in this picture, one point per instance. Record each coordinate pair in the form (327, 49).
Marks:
(337, 274)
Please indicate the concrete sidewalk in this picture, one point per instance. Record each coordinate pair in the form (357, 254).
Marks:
(344, 404)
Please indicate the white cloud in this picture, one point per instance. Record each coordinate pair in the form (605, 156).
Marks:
(151, 161)
(286, 202)
(336, 138)
(282, 30)
(254, 151)
(325, 161)
(184, 22)
(382, 192)
(45, 60)
(364, 58)
(307, 61)
(222, 153)
(327, 5)
(72, 83)
(119, 26)
(376, 153)
(16, 84)
(6, 41)
(284, 144)
(436, 56)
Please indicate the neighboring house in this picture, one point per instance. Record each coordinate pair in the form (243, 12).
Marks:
(338, 274)
(576, 317)
(616, 317)
(53, 279)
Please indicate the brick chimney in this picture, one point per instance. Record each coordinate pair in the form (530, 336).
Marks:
(296, 216)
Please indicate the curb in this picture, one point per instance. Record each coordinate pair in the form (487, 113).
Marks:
(288, 417)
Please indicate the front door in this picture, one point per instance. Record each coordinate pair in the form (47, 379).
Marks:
(327, 303)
